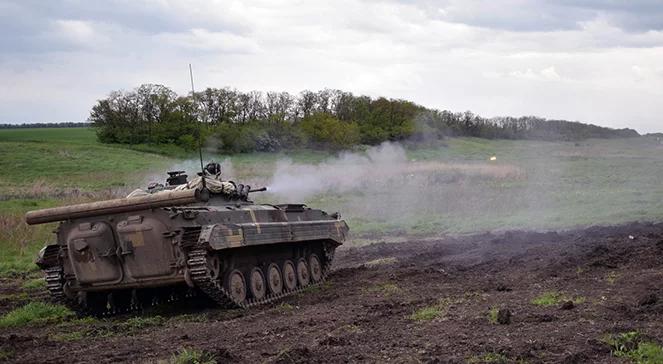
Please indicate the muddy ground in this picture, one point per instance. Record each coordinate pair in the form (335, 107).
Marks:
(364, 313)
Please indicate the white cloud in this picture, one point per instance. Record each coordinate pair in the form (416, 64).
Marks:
(204, 40)
(75, 30)
(545, 74)
(550, 74)
(76, 35)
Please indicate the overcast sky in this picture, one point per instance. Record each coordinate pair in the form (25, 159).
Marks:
(598, 61)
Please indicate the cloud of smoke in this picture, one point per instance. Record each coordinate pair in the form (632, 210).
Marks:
(387, 189)
(349, 171)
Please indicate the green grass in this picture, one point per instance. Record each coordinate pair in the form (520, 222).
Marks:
(427, 313)
(386, 289)
(34, 284)
(55, 158)
(140, 322)
(13, 297)
(492, 315)
(6, 354)
(89, 327)
(68, 336)
(553, 298)
(84, 136)
(81, 321)
(192, 317)
(20, 243)
(284, 306)
(488, 358)
(192, 356)
(435, 311)
(66, 135)
(632, 346)
(381, 261)
(34, 313)
(75, 165)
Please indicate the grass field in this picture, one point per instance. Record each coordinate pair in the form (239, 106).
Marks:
(48, 167)
(449, 187)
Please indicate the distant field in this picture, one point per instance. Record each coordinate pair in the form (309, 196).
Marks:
(449, 187)
(66, 157)
(68, 135)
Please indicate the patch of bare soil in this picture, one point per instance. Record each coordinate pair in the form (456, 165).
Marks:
(611, 275)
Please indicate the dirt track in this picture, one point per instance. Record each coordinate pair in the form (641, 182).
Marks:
(363, 312)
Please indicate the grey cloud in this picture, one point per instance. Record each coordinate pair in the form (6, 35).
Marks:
(27, 26)
(144, 16)
(545, 16)
(632, 16)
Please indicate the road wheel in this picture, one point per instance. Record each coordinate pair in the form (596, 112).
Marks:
(274, 279)
(214, 266)
(257, 284)
(316, 268)
(289, 276)
(237, 286)
(303, 275)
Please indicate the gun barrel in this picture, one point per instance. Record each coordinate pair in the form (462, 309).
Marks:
(120, 205)
(258, 189)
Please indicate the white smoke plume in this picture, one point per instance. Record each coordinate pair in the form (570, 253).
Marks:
(349, 171)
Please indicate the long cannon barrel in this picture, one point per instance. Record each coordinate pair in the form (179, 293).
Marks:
(120, 205)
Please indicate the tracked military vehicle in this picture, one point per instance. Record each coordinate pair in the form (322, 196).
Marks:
(181, 239)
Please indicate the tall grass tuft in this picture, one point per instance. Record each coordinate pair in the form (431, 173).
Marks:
(192, 356)
(19, 244)
(34, 313)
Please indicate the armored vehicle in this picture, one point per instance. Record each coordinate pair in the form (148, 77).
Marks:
(181, 239)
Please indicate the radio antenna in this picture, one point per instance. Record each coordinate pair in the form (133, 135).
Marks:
(200, 138)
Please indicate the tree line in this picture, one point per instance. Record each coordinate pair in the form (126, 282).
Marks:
(326, 119)
(68, 124)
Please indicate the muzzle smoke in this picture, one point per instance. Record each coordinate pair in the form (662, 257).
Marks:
(350, 171)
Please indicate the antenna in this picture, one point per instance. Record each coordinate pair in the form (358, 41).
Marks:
(200, 138)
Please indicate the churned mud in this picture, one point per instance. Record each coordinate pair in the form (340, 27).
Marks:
(513, 297)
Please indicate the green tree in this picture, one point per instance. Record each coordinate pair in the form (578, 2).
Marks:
(326, 131)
